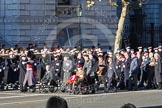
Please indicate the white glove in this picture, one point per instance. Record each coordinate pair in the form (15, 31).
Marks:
(23, 63)
(130, 75)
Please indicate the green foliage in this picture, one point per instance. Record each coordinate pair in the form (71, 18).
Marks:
(114, 4)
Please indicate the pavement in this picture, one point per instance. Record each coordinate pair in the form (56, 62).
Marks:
(142, 99)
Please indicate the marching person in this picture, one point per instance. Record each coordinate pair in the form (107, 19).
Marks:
(151, 71)
(111, 75)
(67, 67)
(118, 66)
(90, 69)
(144, 67)
(13, 71)
(132, 85)
(101, 71)
(158, 72)
(57, 65)
(87, 68)
(139, 72)
(22, 65)
(2, 69)
(126, 67)
(29, 79)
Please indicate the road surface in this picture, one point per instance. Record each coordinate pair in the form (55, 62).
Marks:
(145, 99)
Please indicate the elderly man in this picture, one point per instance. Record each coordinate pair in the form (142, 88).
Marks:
(67, 68)
(45, 59)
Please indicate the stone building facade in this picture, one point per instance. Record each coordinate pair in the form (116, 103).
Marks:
(144, 23)
(57, 22)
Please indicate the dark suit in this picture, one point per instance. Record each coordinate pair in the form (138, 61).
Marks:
(44, 61)
(133, 74)
(13, 70)
(2, 68)
(126, 71)
(57, 65)
(144, 70)
(22, 66)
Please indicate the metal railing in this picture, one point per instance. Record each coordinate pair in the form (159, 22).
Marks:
(149, 35)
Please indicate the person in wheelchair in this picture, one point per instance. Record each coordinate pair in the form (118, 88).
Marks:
(48, 78)
(77, 78)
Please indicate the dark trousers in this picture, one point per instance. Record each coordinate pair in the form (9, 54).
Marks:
(139, 74)
(126, 84)
(120, 83)
(1, 76)
(150, 76)
(111, 83)
(102, 80)
(143, 77)
(132, 84)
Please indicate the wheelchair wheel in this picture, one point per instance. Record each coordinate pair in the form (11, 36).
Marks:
(62, 88)
(76, 90)
(84, 88)
(53, 86)
(92, 89)
(53, 89)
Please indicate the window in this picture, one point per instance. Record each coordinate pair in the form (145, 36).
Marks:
(63, 2)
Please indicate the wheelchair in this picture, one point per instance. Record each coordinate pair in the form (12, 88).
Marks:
(45, 87)
(87, 86)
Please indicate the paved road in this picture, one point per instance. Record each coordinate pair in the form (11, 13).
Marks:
(148, 99)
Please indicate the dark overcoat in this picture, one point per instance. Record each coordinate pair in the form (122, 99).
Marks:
(158, 73)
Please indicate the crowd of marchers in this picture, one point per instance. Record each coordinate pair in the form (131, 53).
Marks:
(80, 71)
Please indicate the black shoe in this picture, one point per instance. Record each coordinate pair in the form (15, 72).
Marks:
(33, 89)
(45, 91)
(114, 90)
(24, 89)
(15, 87)
(140, 85)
